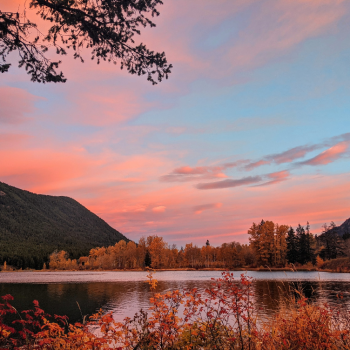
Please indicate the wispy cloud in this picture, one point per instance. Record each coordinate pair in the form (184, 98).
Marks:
(229, 183)
(198, 209)
(330, 155)
(254, 165)
(337, 148)
(15, 104)
(159, 209)
(292, 154)
(275, 178)
(270, 179)
(187, 173)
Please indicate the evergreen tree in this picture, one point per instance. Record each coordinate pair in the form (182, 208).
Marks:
(148, 260)
(305, 243)
(292, 248)
(310, 245)
(302, 245)
(332, 243)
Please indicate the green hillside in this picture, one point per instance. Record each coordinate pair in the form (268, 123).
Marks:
(32, 226)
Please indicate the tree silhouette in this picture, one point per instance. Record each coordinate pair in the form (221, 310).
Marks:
(106, 27)
(292, 247)
(148, 260)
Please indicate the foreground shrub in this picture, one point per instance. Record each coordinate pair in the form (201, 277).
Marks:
(304, 326)
(220, 317)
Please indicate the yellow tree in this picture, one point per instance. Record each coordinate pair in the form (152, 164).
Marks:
(206, 253)
(156, 247)
(172, 256)
(280, 244)
(120, 248)
(97, 257)
(58, 260)
(267, 244)
(268, 241)
(141, 252)
(192, 255)
(130, 255)
(255, 240)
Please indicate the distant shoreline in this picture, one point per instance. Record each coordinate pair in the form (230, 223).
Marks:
(272, 269)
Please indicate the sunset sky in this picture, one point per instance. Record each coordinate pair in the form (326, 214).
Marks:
(253, 123)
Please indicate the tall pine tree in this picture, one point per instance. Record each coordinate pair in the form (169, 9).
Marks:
(302, 245)
(292, 247)
(310, 245)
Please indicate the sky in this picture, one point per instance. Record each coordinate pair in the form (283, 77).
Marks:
(253, 123)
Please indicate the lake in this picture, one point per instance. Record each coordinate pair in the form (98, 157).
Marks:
(124, 293)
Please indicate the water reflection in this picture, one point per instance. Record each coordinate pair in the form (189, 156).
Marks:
(125, 298)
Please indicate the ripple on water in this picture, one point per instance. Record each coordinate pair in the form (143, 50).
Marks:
(124, 293)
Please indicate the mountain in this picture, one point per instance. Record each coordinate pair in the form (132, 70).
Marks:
(343, 230)
(32, 226)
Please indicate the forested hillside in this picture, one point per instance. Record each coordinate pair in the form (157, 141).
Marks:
(32, 226)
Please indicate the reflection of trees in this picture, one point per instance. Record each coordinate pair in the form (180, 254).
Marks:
(125, 298)
(335, 293)
(270, 296)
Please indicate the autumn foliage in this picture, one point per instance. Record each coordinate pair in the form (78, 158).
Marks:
(270, 245)
(220, 317)
(154, 252)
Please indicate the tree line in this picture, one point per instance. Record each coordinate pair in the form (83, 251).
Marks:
(154, 252)
(270, 245)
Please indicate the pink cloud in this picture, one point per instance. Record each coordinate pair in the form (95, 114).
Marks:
(198, 209)
(292, 154)
(108, 105)
(102, 183)
(159, 209)
(325, 199)
(229, 183)
(187, 173)
(254, 165)
(275, 178)
(235, 164)
(15, 105)
(339, 146)
(330, 155)
(272, 30)
(123, 99)
(278, 26)
(39, 169)
(259, 42)
(13, 140)
(185, 170)
(48, 170)
(123, 189)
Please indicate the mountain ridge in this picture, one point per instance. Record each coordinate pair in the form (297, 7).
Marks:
(344, 228)
(32, 226)
(341, 230)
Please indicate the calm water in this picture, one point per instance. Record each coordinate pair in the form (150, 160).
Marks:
(124, 293)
